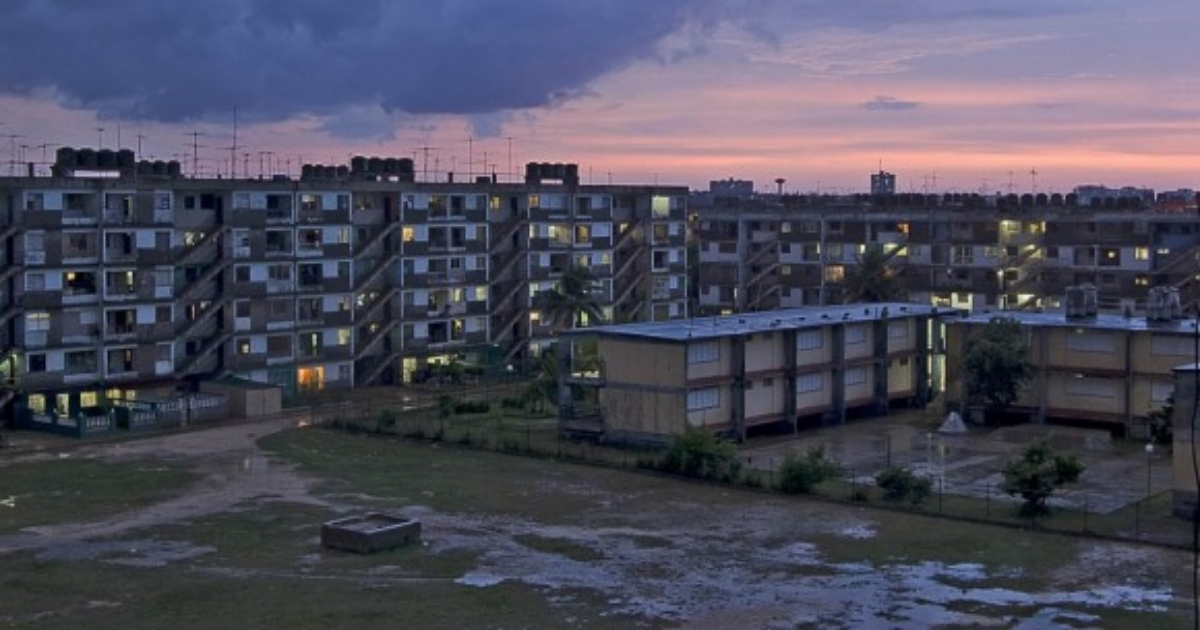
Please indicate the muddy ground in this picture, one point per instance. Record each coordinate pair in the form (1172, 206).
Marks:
(709, 569)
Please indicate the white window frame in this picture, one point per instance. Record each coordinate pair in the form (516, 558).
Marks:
(703, 398)
(703, 352)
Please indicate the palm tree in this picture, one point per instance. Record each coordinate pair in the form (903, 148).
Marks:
(872, 280)
(566, 305)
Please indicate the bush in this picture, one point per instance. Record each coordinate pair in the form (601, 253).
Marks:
(385, 421)
(472, 406)
(1037, 473)
(799, 475)
(700, 454)
(899, 483)
(446, 406)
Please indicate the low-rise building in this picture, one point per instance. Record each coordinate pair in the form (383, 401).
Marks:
(1091, 368)
(783, 369)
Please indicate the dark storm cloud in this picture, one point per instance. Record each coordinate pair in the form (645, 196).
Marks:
(181, 60)
(173, 61)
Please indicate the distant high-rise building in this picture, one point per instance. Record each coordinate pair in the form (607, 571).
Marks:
(739, 188)
(883, 183)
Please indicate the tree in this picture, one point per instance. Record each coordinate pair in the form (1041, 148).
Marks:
(701, 454)
(996, 364)
(1161, 431)
(1037, 473)
(872, 280)
(566, 305)
(800, 475)
(899, 483)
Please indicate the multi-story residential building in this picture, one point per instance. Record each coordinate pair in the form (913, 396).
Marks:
(741, 373)
(966, 252)
(1102, 370)
(121, 278)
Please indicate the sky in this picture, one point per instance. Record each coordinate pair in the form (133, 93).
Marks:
(950, 95)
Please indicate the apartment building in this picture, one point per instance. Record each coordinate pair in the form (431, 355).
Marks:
(124, 278)
(967, 252)
(756, 371)
(1102, 370)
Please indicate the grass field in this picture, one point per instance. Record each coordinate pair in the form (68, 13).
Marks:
(513, 542)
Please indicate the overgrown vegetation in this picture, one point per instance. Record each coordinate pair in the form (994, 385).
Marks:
(801, 475)
(997, 364)
(1036, 473)
(900, 484)
(700, 454)
(1161, 431)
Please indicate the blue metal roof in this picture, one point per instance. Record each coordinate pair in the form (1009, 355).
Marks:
(750, 323)
(1101, 321)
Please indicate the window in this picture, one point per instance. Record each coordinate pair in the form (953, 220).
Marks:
(1141, 253)
(1160, 393)
(703, 352)
(856, 334)
(809, 340)
(1090, 342)
(856, 376)
(706, 398)
(898, 330)
(37, 322)
(809, 383)
(37, 363)
(1168, 346)
(1086, 387)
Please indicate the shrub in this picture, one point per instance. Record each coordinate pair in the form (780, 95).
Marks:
(1037, 473)
(472, 406)
(385, 421)
(700, 454)
(899, 483)
(446, 405)
(800, 475)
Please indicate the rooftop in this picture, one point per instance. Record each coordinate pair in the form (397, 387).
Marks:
(750, 323)
(1101, 321)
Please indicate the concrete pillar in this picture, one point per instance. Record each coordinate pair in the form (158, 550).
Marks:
(1187, 433)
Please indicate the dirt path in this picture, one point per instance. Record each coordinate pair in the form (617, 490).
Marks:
(232, 470)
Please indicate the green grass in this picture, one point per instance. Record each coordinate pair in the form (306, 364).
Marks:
(262, 565)
(81, 490)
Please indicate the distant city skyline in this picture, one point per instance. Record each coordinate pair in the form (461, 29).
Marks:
(949, 96)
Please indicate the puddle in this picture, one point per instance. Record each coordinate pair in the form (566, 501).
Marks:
(480, 580)
(142, 553)
(694, 578)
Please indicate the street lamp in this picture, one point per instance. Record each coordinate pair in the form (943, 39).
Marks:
(1149, 454)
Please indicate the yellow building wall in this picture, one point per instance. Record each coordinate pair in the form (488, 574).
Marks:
(710, 369)
(1149, 356)
(1059, 355)
(633, 411)
(903, 343)
(644, 391)
(652, 364)
(815, 356)
(864, 391)
(900, 377)
(763, 399)
(714, 417)
(764, 351)
(862, 349)
(820, 400)
(1059, 396)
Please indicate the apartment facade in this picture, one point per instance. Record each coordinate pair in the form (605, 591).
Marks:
(1103, 370)
(736, 374)
(966, 252)
(123, 277)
